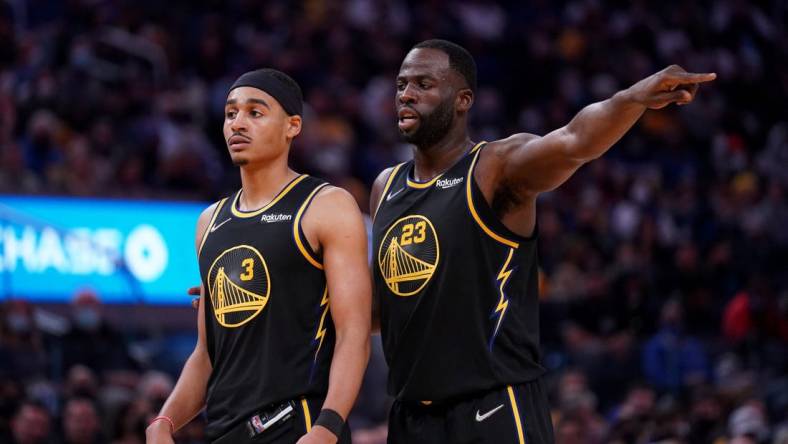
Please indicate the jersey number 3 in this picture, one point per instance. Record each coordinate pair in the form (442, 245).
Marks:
(248, 265)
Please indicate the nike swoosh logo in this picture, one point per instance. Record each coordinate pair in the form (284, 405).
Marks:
(394, 194)
(480, 418)
(216, 226)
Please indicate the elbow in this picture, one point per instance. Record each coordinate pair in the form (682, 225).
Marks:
(578, 150)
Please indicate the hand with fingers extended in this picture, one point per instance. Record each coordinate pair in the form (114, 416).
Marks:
(195, 291)
(671, 85)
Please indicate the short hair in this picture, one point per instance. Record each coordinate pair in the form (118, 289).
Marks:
(460, 59)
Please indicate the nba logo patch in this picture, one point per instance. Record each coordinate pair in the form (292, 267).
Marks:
(257, 424)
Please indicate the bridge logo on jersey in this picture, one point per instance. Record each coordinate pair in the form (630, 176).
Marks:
(239, 286)
(409, 255)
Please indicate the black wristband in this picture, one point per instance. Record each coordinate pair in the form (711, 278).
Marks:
(332, 421)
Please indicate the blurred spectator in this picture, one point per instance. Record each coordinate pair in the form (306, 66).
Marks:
(81, 423)
(130, 422)
(81, 382)
(754, 315)
(749, 422)
(671, 358)
(576, 401)
(21, 345)
(30, 424)
(91, 340)
(570, 430)
(155, 387)
(638, 404)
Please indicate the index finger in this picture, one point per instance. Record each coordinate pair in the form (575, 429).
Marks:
(693, 77)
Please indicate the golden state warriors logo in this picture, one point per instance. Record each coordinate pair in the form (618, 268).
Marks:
(239, 285)
(408, 255)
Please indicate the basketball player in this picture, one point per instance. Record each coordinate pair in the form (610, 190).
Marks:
(455, 244)
(284, 316)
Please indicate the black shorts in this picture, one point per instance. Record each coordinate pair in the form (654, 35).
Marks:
(511, 415)
(286, 432)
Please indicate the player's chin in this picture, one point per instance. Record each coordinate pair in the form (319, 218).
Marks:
(409, 135)
(238, 159)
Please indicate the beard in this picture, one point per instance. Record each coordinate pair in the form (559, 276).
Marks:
(433, 126)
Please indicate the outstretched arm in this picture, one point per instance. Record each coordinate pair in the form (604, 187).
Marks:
(534, 164)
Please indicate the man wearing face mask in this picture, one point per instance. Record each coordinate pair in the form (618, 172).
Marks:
(92, 341)
(21, 350)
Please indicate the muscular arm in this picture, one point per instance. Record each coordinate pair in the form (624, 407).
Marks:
(531, 164)
(336, 220)
(188, 396)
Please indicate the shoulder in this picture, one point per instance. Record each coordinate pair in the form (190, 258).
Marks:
(206, 214)
(497, 154)
(382, 178)
(331, 201)
(333, 212)
(378, 187)
(503, 147)
(204, 220)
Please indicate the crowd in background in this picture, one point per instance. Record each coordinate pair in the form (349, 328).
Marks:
(663, 264)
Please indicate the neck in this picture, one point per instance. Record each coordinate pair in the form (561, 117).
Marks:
(434, 160)
(261, 182)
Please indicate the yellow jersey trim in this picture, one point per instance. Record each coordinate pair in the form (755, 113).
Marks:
(307, 415)
(389, 181)
(297, 235)
(472, 208)
(431, 182)
(210, 224)
(516, 413)
(276, 199)
(422, 185)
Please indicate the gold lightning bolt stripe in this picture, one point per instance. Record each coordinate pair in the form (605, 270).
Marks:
(321, 330)
(503, 303)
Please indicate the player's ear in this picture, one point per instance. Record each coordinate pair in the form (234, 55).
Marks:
(464, 99)
(293, 126)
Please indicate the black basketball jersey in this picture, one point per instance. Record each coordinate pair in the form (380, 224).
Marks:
(269, 331)
(458, 291)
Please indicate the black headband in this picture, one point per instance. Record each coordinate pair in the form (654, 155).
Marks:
(276, 83)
